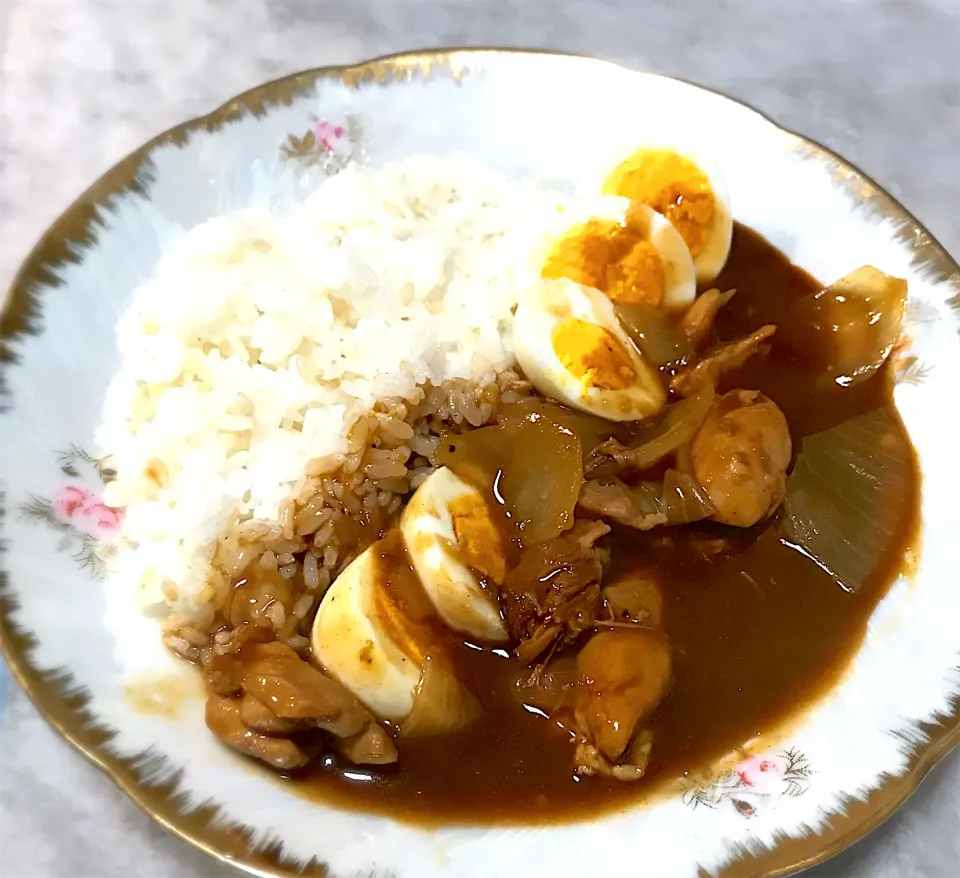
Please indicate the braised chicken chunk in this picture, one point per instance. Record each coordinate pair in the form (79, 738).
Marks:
(740, 455)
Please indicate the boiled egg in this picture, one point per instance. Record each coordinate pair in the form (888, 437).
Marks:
(682, 185)
(366, 641)
(571, 347)
(452, 538)
(622, 248)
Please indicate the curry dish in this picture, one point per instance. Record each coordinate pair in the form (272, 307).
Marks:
(650, 592)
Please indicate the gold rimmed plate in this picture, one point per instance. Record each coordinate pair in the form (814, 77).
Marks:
(540, 116)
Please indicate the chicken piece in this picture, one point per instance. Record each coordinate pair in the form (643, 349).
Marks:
(636, 507)
(725, 359)
(740, 456)
(293, 689)
(257, 716)
(371, 746)
(222, 666)
(635, 597)
(699, 318)
(223, 674)
(554, 590)
(224, 720)
(624, 675)
(589, 761)
(549, 685)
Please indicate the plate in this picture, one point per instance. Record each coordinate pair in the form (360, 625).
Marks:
(105, 682)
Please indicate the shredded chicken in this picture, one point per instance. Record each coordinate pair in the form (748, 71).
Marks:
(554, 590)
(611, 457)
(616, 501)
(699, 318)
(727, 358)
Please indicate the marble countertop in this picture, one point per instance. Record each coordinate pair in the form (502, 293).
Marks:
(83, 82)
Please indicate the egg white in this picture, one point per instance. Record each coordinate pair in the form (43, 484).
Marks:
(544, 307)
(431, 542)
(680, 280)
(351, 645)
(710, 261)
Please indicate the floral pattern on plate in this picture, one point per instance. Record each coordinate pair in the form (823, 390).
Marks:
(75, 510)
(756, 779)
(328, 144)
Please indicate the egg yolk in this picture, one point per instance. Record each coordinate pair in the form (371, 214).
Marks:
(673, 186)
(593, 355)
(480, 543)
(615, 258)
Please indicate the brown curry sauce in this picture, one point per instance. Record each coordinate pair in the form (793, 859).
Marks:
(758, 632)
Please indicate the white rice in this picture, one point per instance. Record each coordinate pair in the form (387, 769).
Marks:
(262, 338)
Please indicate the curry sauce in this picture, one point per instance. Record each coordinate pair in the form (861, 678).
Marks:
(758, 630)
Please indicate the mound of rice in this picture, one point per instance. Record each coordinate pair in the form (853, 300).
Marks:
(287, 369)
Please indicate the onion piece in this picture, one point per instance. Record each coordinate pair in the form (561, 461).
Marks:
(655, 334)
(683, 500)
(479, 455)
(850, 328)
(441, 704)
(846, 496)
(542, 482)
(673, 427)
(533, 469)
(590, 429)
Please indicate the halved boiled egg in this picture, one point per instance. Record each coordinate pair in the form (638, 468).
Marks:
(622, 248)
(366, 641)
(683, 186)
(453, 539)
(571, 346)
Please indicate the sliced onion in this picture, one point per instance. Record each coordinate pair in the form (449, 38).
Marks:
(683, 500)
(850, 328)
(655, 334)
(532, 467)
(847, 494)
(674, 427)
(477, 456)
(591, 430)
(542, 482)
(441, 705)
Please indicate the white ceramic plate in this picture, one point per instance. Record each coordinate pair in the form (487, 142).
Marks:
(784, 804)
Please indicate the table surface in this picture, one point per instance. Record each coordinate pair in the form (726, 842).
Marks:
(86, 81)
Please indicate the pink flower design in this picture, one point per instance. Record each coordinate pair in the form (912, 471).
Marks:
(763, 775)
(85, 511)
(69, 500)
(100, 519)
(332, 138)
